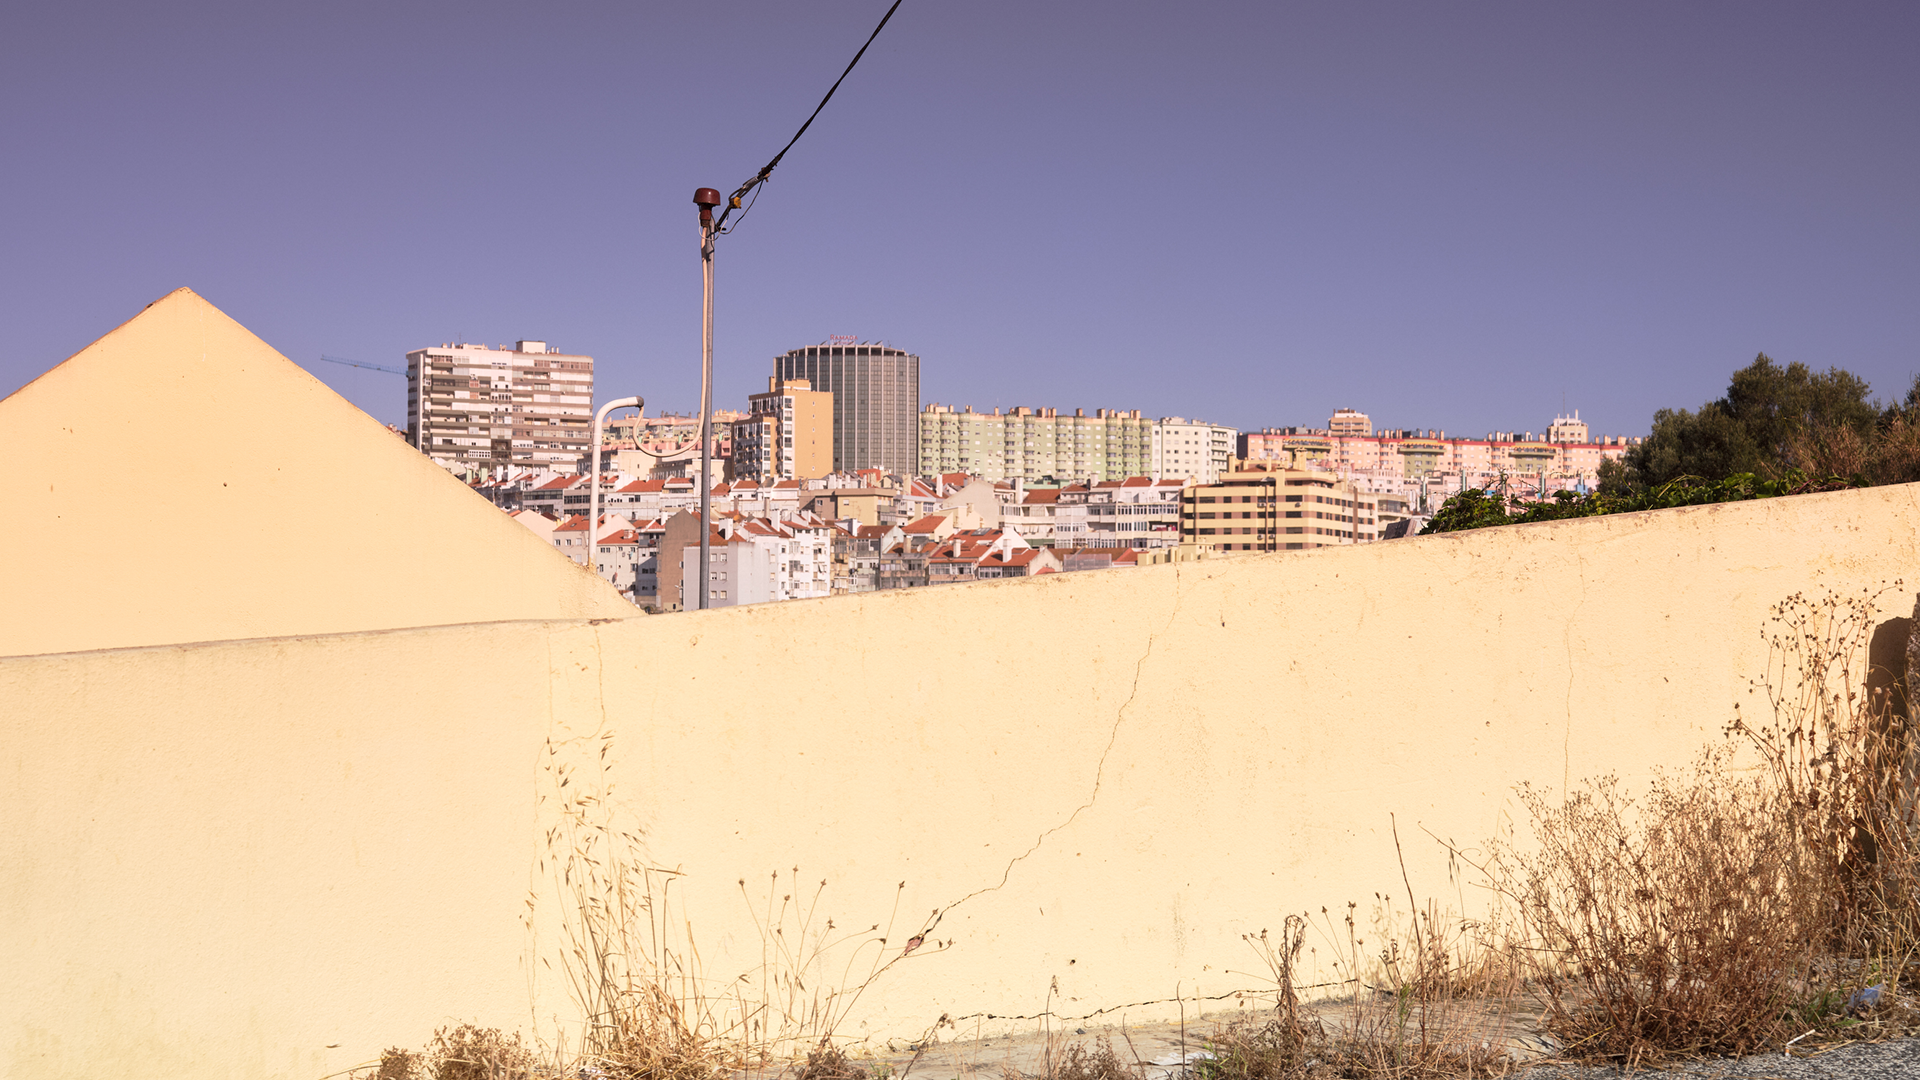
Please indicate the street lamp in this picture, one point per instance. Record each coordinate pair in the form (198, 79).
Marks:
(706, 198)
(593, 481)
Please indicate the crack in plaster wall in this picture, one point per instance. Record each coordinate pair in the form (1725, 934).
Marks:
(1099, 772)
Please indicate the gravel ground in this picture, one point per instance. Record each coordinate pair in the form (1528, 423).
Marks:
(1896, 1060)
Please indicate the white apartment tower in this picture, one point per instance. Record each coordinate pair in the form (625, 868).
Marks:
(528, 407)
(1192, 450)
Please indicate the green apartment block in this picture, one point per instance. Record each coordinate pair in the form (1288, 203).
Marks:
(1036, 444)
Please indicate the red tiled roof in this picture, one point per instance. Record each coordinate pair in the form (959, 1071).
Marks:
(1016, 558)
(926, 524)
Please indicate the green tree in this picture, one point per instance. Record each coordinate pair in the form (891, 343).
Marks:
(1773, 420)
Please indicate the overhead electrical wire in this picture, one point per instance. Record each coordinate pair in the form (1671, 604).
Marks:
(733, 201)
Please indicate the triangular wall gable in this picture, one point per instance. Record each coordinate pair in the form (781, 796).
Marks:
(178, 480)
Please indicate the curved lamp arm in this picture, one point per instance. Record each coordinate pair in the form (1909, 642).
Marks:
(593, 480)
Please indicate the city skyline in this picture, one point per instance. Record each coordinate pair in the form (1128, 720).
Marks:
(1457, 217)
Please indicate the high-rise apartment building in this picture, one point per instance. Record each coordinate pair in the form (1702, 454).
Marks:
(786, 435)
(1036, 445)
(1192, 449)
(876, 401)
(472, 408)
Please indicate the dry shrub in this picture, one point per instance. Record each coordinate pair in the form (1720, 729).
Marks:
(397, 1063)
(471, 1053)
(465, 1052)
(829, 1062)
(1727, 911)
(1839, 757)
(1675, 924)
(1889, 454)
(1412, 1027)
(1835, 450)
(1896, 453)
(1100, 1063)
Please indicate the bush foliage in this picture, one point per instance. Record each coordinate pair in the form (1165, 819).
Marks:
(1478, 508)
(1777, 431)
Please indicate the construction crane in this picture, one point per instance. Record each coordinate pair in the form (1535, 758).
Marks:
(358, 364)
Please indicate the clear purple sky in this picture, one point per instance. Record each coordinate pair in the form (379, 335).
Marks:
(1449, 215)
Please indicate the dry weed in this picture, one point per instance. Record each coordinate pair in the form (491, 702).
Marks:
(1675, 924)
(636, 974)
(1841, 758)
(1731, 910)
(1413, 1027)
(1100, 1063)
(829, 1062)
(472, 1053)
(465, 1052)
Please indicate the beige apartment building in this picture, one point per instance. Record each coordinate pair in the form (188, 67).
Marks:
(474, 409)
(787, 434)
(1036, 445)
(1350, 423)
(1277, 509)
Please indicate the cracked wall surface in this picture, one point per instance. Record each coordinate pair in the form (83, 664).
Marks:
(275, 857)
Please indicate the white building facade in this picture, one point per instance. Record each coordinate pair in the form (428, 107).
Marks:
(1192, 449)
(476, 410)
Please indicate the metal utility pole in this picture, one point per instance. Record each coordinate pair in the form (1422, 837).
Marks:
(706, 198)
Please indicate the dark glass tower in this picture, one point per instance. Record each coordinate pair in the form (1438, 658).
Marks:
(876, 402)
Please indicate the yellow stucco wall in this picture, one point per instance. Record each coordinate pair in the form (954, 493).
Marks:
(273, 858)
(179, 480)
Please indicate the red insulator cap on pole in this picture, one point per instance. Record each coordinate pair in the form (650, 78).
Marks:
(707, 198)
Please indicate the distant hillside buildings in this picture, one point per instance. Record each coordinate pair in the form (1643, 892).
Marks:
(850, 407)
(1566, 456)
